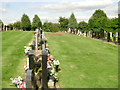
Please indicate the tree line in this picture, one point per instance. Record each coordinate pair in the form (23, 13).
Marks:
(97, 21)
(25, 23)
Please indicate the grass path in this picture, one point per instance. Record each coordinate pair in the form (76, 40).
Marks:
(85, 62)
(13, 59)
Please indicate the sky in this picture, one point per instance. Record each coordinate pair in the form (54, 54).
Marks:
(50, 10)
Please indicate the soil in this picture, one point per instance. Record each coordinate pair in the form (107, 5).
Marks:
(53, 34)
(107, 42)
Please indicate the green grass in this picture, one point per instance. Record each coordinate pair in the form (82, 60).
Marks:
(85, 62)
(13, 58)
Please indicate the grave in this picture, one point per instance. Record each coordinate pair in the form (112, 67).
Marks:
(108, 37)
(114, 38)
(31, 59)
(102, 34)
(119, 38)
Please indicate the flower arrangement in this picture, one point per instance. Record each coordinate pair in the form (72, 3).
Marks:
(18, 82)
(34, 32)
(27, 50)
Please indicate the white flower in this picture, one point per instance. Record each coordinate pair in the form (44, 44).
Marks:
(24, 46)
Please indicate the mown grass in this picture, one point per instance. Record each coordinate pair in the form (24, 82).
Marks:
(85, 62)
(13, 58)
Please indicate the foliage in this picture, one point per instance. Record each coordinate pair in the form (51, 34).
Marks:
(16, 25)
(114, 24)
(13, 58)
(55, 27)
(10, 26)
(82, 25)
(36, 22)
(1, 23)
(98, 20)
(72, 22)
(51, 27)
(25, 23)
(86, 60)
(63, 23)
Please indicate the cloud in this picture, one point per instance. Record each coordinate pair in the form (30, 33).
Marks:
(2, 10)
(27, 0)
(111, 12)
(10, 20)
(71, 6)
(49, 19)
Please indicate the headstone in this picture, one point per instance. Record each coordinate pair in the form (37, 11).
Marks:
(92, 33)
(102, 34)
(28, 62)
(86, 33)
(41, 33)
(89, 33)
(33, 44)
(119, 38)
(95, 34)
(114, 38)
(105, 34)
(43, 46)
(116, 34)
(44, 69)
(29, 79)
(69, 30)
(98, 34)
(108, 37)
(6, 28)
(78, 32)
(110, 34)
(31, 59)
(37, 39)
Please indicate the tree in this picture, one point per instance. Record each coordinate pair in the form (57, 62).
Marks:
(51, 27)
(36, 22)
(64, 23)
(72, 22)
(16, 25)
(114, 24)
(10, 26)
(99, 20)
(55, 27)
(25, 23)
(82, 25)
(1, 24)
(47, 26)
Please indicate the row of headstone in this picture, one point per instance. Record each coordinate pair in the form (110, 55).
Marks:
(104, 35)
(30, 79)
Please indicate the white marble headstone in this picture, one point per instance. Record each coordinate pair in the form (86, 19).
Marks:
(110, 34)
(116, 34)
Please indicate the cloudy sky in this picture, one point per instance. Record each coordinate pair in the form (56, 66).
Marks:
(51, 10)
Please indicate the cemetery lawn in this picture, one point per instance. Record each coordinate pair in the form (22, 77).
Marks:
(13, 58)
(84, 62)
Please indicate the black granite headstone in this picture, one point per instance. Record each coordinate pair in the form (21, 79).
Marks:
(44, 69)
(41, 33)
(102, 34)
(29, 79)
(119, 38)
(33, 44)
(114, 37)
(31, 59)
(108, 37)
